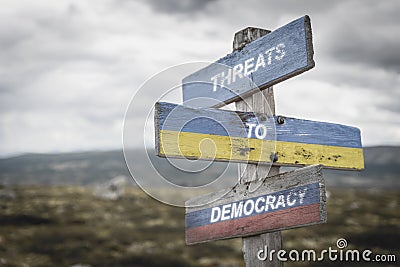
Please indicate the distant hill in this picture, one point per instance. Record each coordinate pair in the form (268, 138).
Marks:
(86, 168)
(382, 170)
(66, 168)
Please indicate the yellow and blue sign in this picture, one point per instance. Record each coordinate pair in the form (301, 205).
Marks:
(222, 135)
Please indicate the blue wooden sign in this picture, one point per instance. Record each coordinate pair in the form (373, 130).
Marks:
(275, 57)
(222, 135)
(285, 201)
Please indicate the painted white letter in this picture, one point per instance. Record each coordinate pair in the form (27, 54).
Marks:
(248, 211)
(280, 202)
(225, 212)
(237, 71)
(237, 209)
(270, 201)
(248, 64)
(302, 193)
(251, 126)
(279, 50)
(215, 81)
(215, 214)
(260, 62)
(257, 207)
(290, 203)
(269, 53)
(264, 131)
(227, 78)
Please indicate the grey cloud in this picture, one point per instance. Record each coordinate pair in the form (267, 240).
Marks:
(354, 74)
(367, 35)
(11, 38)
(179, 6)
(348, 32)
(36, 43)
(390, 103)
(43, 34)
(286, 7)
(63, 61)
(368, 48)
(271, 9)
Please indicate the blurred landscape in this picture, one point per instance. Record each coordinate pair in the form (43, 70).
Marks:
(382, 169)
(54, 211)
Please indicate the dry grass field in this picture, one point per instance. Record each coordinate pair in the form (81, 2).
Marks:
(69, 225)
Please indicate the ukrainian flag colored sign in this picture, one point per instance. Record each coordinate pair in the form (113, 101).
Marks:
(222, 135)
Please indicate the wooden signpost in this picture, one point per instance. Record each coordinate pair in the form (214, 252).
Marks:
(284, 201)
(275, 57)
(280, 201)
(240, 137)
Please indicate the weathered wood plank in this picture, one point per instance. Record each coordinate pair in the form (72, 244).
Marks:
(262, 102)
(284, 201)
(275, 57)
(180, 131)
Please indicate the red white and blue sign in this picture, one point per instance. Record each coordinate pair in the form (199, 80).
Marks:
(270, 208)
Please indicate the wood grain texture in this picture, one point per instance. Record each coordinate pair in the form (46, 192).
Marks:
(252, 244)
(262, 102)
(285, 52)
(223, 135)
(284, 201)
(247, 35)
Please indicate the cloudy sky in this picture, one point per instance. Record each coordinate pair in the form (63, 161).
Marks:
(69, 68)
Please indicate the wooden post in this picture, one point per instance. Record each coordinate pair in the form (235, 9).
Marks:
(259, 103)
